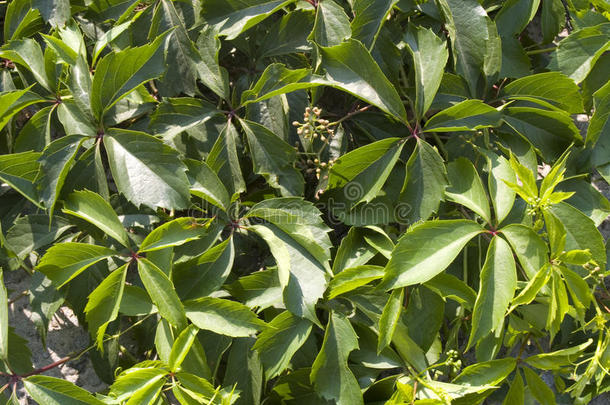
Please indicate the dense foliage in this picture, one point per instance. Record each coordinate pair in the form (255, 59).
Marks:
(309, 202)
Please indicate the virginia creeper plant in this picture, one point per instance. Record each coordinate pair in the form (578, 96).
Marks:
(309, 202)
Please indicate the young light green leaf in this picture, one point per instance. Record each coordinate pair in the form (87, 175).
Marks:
(331, 26)
(136, 380)
(559, 358)
(277, 344)
(162, 293)
(145, 170)
(274, 159)
(64, 261)
(502, 196)
(496, 290)
(182, 346)
(352, 278)
(466, 187)
(430, 56)
(426, 251)
(55, 391)
(224, 317)
(469, 115)
(330, 373)
(532, 288)
(93, 208)
(491, 372)
(104, 302)
(389, 318)
(350, 67)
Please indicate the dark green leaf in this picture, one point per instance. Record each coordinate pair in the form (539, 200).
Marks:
(223, 317)
(331, 26)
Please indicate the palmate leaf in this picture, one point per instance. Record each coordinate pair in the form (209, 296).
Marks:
(145, 170)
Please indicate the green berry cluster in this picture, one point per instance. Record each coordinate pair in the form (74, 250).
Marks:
(453, 360)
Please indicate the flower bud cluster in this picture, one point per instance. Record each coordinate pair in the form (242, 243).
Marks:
(453, 360)
(313, 126)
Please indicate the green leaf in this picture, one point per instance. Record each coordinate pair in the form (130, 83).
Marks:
(245, 372)
(423, 317)
(552, 87)
(14, 101)
(580, 231)
(352, 278)
(36, 133)
(28, 54)
(430, 55)
(331, 26)
(136, 302)
(549, 131)
(119, 73)
(104, 302)
(21, 20)
(19, 170)
(182, 346)
(514, 16)
(301, 220)
(206, 184)
(3, 318)
(502, 196)
(55, 12)
(55, 391)
(273, 158)
(176, 115)
(210, 72)
(491, 372)
(278, 343)
(424, 185)
(260, 289)
(530, 249)
(224, 317)
(474, 40)
(577, 53)
(350, 67)
(363, 172)
(205, 274)
(369, 17)
(303, 277)
(56, 161)
(515, 394)
(553, 19)
(289, 34)
(389, 318)
(107, 37)
(64, 261)
(232, 17)
(93, 208)
(135, 381)
(162, 293)
(330, 374)
(223, 159)
(466, 187)
(146, 171)
(469, 115)
(559, 358)
(426, 251)
(532, 288)
(538, 387)
(496, 290)
(448, 286)
(598, 133)
(175, 233)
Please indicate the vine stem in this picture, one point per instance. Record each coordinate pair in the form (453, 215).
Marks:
(351, 114)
